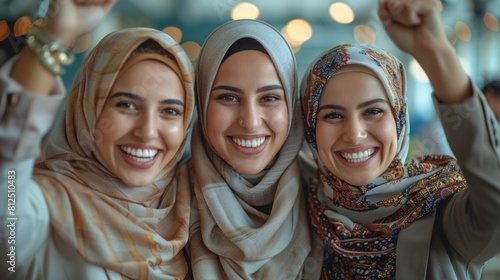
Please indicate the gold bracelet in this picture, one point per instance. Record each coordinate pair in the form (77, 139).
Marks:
(51, 52)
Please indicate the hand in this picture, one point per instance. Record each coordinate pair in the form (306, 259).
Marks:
(66, 20)
(414, 25)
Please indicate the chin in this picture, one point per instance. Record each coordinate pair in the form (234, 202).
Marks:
(136, 184)
(249, 172)
(358, 183)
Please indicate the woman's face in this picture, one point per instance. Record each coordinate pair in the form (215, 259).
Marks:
(247, 116)
(141, 126)
(355, 130)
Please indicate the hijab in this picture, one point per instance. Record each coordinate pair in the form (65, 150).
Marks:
(359, 225)
(232, 238)
(138, 232)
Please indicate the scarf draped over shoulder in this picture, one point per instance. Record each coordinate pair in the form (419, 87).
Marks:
(232, 238)
(139, 232)
(347, 218)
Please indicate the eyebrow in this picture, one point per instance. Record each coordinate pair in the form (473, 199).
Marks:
(238, 90)
(361, 105)
(142, 99)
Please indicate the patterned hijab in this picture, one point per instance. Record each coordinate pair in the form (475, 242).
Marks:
(232, 238)
(359, 225)
(137, 232)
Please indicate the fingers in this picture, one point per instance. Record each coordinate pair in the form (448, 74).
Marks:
(406, 12)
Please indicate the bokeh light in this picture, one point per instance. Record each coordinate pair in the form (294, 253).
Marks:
(192, 49)
(295, 45)
(463, 31)
(245, 10)
(4, 30)
(173, 32)
(491, 22)
(364, 34)
(298, 30)
(417, 72)
(22, 25)
(341, 13)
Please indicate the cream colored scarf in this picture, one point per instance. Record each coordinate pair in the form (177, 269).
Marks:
(137, 232)
(229, 237)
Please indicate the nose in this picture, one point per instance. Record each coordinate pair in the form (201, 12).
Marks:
(354, 131)
(146, 127)
(250, 116)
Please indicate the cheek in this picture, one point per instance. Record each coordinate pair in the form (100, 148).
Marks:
(217, 118)
(278, 120)
(107, 129)
(173, 134)
(325, 137)
(387, 135)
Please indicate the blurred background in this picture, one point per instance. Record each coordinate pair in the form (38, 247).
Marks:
(310, 27)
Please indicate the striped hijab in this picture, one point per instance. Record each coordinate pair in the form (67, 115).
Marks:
(137, 232)
(230, 238)
(359, 225)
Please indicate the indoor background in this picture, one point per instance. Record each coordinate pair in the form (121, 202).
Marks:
(310, 27)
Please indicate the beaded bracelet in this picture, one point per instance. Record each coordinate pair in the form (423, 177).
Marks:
(45, 46)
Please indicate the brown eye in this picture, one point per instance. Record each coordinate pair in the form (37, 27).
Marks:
(126, 105)
(270, 98)
(332, 116)
(227, 97)
(374, 112)
(172, 112)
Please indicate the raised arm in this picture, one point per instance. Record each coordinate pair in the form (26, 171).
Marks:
(65, 21)
(27, 110)
(416, 28)
(470, 220)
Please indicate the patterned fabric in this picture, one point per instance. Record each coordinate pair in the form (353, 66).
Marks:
(138, 232)
(232, 238)
(359, 225)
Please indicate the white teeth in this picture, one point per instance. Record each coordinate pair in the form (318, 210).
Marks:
(249, 143)
(140, 155)
(359, 156)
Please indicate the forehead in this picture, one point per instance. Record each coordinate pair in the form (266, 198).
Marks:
(242, 59)
(353, 86)
(247, 67)
(149, 76)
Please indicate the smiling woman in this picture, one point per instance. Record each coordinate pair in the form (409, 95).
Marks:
(249, 219)
(355, 132)
(247, 119)
(374, 214)
(151, 126)
(108, 201)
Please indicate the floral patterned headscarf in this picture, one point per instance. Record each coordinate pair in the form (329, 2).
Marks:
(359, 225)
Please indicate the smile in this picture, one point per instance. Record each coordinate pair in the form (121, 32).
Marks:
(140, 155)
(247, 143)
(359, 156)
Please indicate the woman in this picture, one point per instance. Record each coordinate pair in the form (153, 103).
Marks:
(250, 220)
(376, 216)
(109, 201)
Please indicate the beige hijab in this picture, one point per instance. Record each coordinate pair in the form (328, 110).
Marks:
(230, 238)
(138, 232)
